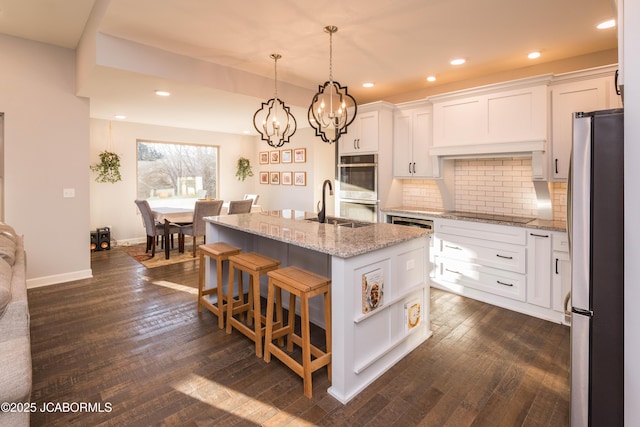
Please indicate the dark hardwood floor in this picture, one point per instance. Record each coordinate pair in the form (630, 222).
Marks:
(131, 343)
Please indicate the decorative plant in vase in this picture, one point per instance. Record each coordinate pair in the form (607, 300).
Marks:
(243, 169)
(108, 168)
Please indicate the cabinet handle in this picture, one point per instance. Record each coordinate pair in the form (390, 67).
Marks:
(458, 248)
(414, 167)
(503, 256)
(504, 284)
(354, 144)
(556, 165)
(409, 167)
(452, 271)
(358, 143)
(539, 235)
(616, 85)
(557, 266)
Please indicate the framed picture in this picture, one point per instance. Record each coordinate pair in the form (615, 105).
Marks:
(264, 157)
(274, 156)
(285, 156)
(274, 178)
(300, 155)
(264, 177)
(286, 178)
(300, 178)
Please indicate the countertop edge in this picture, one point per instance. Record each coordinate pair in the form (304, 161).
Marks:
(539, 224)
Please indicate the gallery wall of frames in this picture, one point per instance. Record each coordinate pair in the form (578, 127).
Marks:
(280, 164)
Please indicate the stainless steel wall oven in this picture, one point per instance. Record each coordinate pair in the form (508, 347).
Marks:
(358, 179)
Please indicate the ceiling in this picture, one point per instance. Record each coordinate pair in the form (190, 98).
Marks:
(221, 49)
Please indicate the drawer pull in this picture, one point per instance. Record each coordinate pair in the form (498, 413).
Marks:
(539, 235)
(503, 256)
(452, 271)
(458, 248)
(557, 260)
(504, 284)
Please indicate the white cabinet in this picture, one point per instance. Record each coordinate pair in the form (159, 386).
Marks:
(539, 271)
(362, 134)
(568, 97)
(480, 257)
(412, 134)
(561, 274)
(503, 118)
(523, 269)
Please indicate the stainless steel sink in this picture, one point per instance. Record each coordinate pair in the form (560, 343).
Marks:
(343, 222)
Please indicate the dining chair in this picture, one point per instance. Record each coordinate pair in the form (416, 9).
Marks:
(197, 227)
(254, 197)
(240, 206)
(154, 228)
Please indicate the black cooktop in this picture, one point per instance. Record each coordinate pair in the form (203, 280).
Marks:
(491, 217)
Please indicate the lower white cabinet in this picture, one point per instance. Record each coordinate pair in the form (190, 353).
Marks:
(522, 269)
(561, 276)
(539, 272)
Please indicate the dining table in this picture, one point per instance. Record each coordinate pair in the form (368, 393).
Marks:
(169, 215)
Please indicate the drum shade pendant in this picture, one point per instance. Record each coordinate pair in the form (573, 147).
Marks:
(273, 121)
(329, 110)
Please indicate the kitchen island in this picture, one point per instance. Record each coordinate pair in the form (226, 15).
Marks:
(379, 290)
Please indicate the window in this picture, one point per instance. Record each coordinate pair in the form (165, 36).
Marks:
(174, 174)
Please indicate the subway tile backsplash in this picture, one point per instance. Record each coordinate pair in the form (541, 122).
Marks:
(497, 185)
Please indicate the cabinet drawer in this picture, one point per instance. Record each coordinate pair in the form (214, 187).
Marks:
(484, 252)
(479, 230)
(497, 282)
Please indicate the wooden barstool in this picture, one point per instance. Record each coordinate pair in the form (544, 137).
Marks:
(255, 265)
(303, 284)
(219, 251)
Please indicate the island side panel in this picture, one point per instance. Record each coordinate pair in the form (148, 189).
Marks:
(367, 344)
(288, 254)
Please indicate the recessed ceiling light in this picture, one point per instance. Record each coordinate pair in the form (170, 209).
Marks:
(162, 93)
(533, 55)
(606, 24)
(431, 78)
(367, 84)
(458, 61)
(120, 117)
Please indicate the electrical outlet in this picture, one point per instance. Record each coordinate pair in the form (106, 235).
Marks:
(411, 264)
(68, 192)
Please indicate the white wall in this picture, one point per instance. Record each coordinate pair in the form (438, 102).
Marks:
(46, 134)
(632, 207)
(112, 205)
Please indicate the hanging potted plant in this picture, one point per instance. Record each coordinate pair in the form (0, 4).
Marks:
(244, 169)
(108, 168)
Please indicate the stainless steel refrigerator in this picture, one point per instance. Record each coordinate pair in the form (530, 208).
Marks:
(596, 238)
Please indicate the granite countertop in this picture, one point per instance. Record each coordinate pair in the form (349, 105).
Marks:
(293, 227)
(540, 224)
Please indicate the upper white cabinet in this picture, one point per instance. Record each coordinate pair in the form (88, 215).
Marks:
(412, 135)
(508, 117)
(363, 135)
(574, 92)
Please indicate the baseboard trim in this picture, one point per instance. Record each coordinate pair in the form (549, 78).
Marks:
(59, 278)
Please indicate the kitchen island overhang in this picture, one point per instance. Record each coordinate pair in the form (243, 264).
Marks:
(379, 292)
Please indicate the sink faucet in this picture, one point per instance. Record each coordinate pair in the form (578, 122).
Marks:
(322, 215)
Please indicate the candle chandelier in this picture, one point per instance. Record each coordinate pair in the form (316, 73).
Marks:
(273, 121)
(329, 110)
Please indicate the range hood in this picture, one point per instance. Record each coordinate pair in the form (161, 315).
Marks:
(443, 166)
(534, 149)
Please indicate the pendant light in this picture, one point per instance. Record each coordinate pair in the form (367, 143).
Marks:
(273, 121)
(329, 113)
